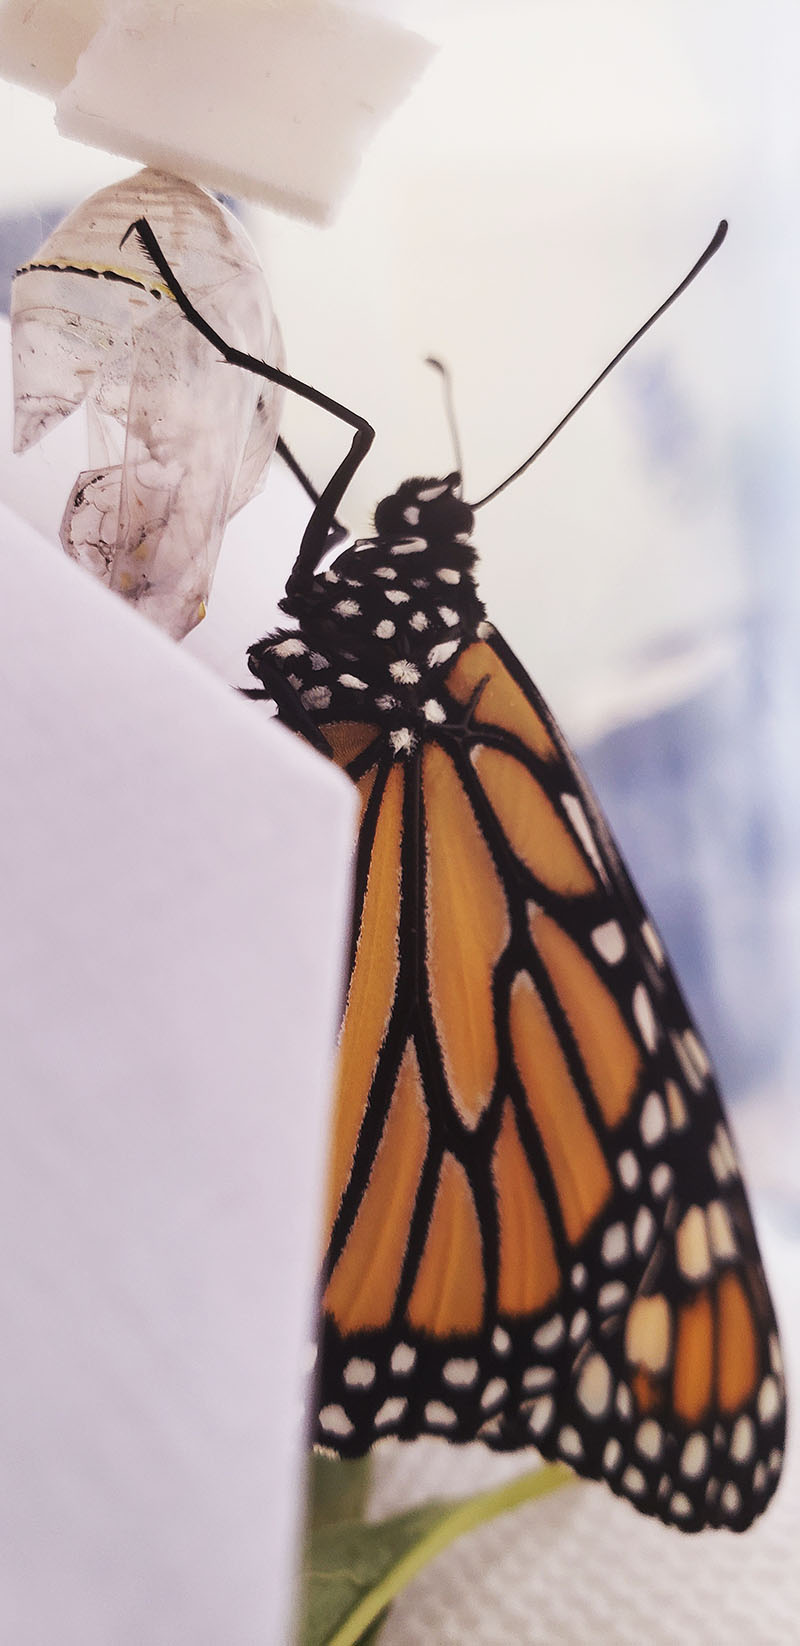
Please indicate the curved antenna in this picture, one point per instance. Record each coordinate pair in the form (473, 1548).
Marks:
(315, 535)
(712, 247)
(449, 407)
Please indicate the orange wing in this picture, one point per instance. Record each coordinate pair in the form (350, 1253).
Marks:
(537, 1232)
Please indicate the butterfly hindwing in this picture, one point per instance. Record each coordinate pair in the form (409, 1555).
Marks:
(536, 1231)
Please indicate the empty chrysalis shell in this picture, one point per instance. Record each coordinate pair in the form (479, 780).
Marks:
(93, 323)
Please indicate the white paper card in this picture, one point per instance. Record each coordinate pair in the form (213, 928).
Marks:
(175, 881)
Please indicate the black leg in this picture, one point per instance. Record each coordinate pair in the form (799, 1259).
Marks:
(315, 536)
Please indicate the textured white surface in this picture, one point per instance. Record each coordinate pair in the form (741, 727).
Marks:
(583, 1566)
(175, 879)
(41, 40)
(275, 101)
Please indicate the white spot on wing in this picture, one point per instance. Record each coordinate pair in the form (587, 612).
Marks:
(334, 1420)
(448, 616)
(418, 621)
(647, 1333)
(644, 1229)
(398, 597)
(359, 1374)
(391, 1411)
(447, 574)
(653, 1121)
(347, 608)
(650, 1438)
(352, 681)
(624, 1401)
(645, 1017)
(769, 1400)
(660, 1179)
(495, 1389)
(384, 630)
(694, 1457)
(678, 1116)
(403, 1359)
(542, 1414)
(441, 653)
(692, 1059)
(743, 1439)
(569, 1442)
(726, 1151)
(580, 824)
(501, 1342)
(691, 1245)
(439, 1415)
(609, 941)
(696, 1054)
(615, 1244)
(538, 1377)
(461, 1373)
(612, 1455)
(628, 1168)
(550, 1334)
(594, 1388)
(612, 1295)
(653, 942)
(434, 712)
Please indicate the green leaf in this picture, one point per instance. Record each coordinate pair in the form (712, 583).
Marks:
(337, 1489)
(353, 1571)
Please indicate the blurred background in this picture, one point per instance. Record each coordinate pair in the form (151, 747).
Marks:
(553, 175)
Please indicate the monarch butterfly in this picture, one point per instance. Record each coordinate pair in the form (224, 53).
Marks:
(537, 1233)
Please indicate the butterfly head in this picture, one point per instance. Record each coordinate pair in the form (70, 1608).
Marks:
(430, 509)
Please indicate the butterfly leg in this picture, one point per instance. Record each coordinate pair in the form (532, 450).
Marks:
(315, 535)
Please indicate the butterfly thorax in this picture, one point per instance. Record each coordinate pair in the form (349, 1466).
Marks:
(377, 631)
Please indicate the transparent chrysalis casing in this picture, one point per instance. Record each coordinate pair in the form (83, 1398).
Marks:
(178, 440)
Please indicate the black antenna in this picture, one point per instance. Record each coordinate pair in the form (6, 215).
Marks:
(712, 247)
(315, 536)
(449, 406)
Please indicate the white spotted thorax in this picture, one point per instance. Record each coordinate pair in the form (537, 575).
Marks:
(384, 623)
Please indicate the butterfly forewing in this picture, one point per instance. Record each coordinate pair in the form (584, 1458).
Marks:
(537, 1231)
